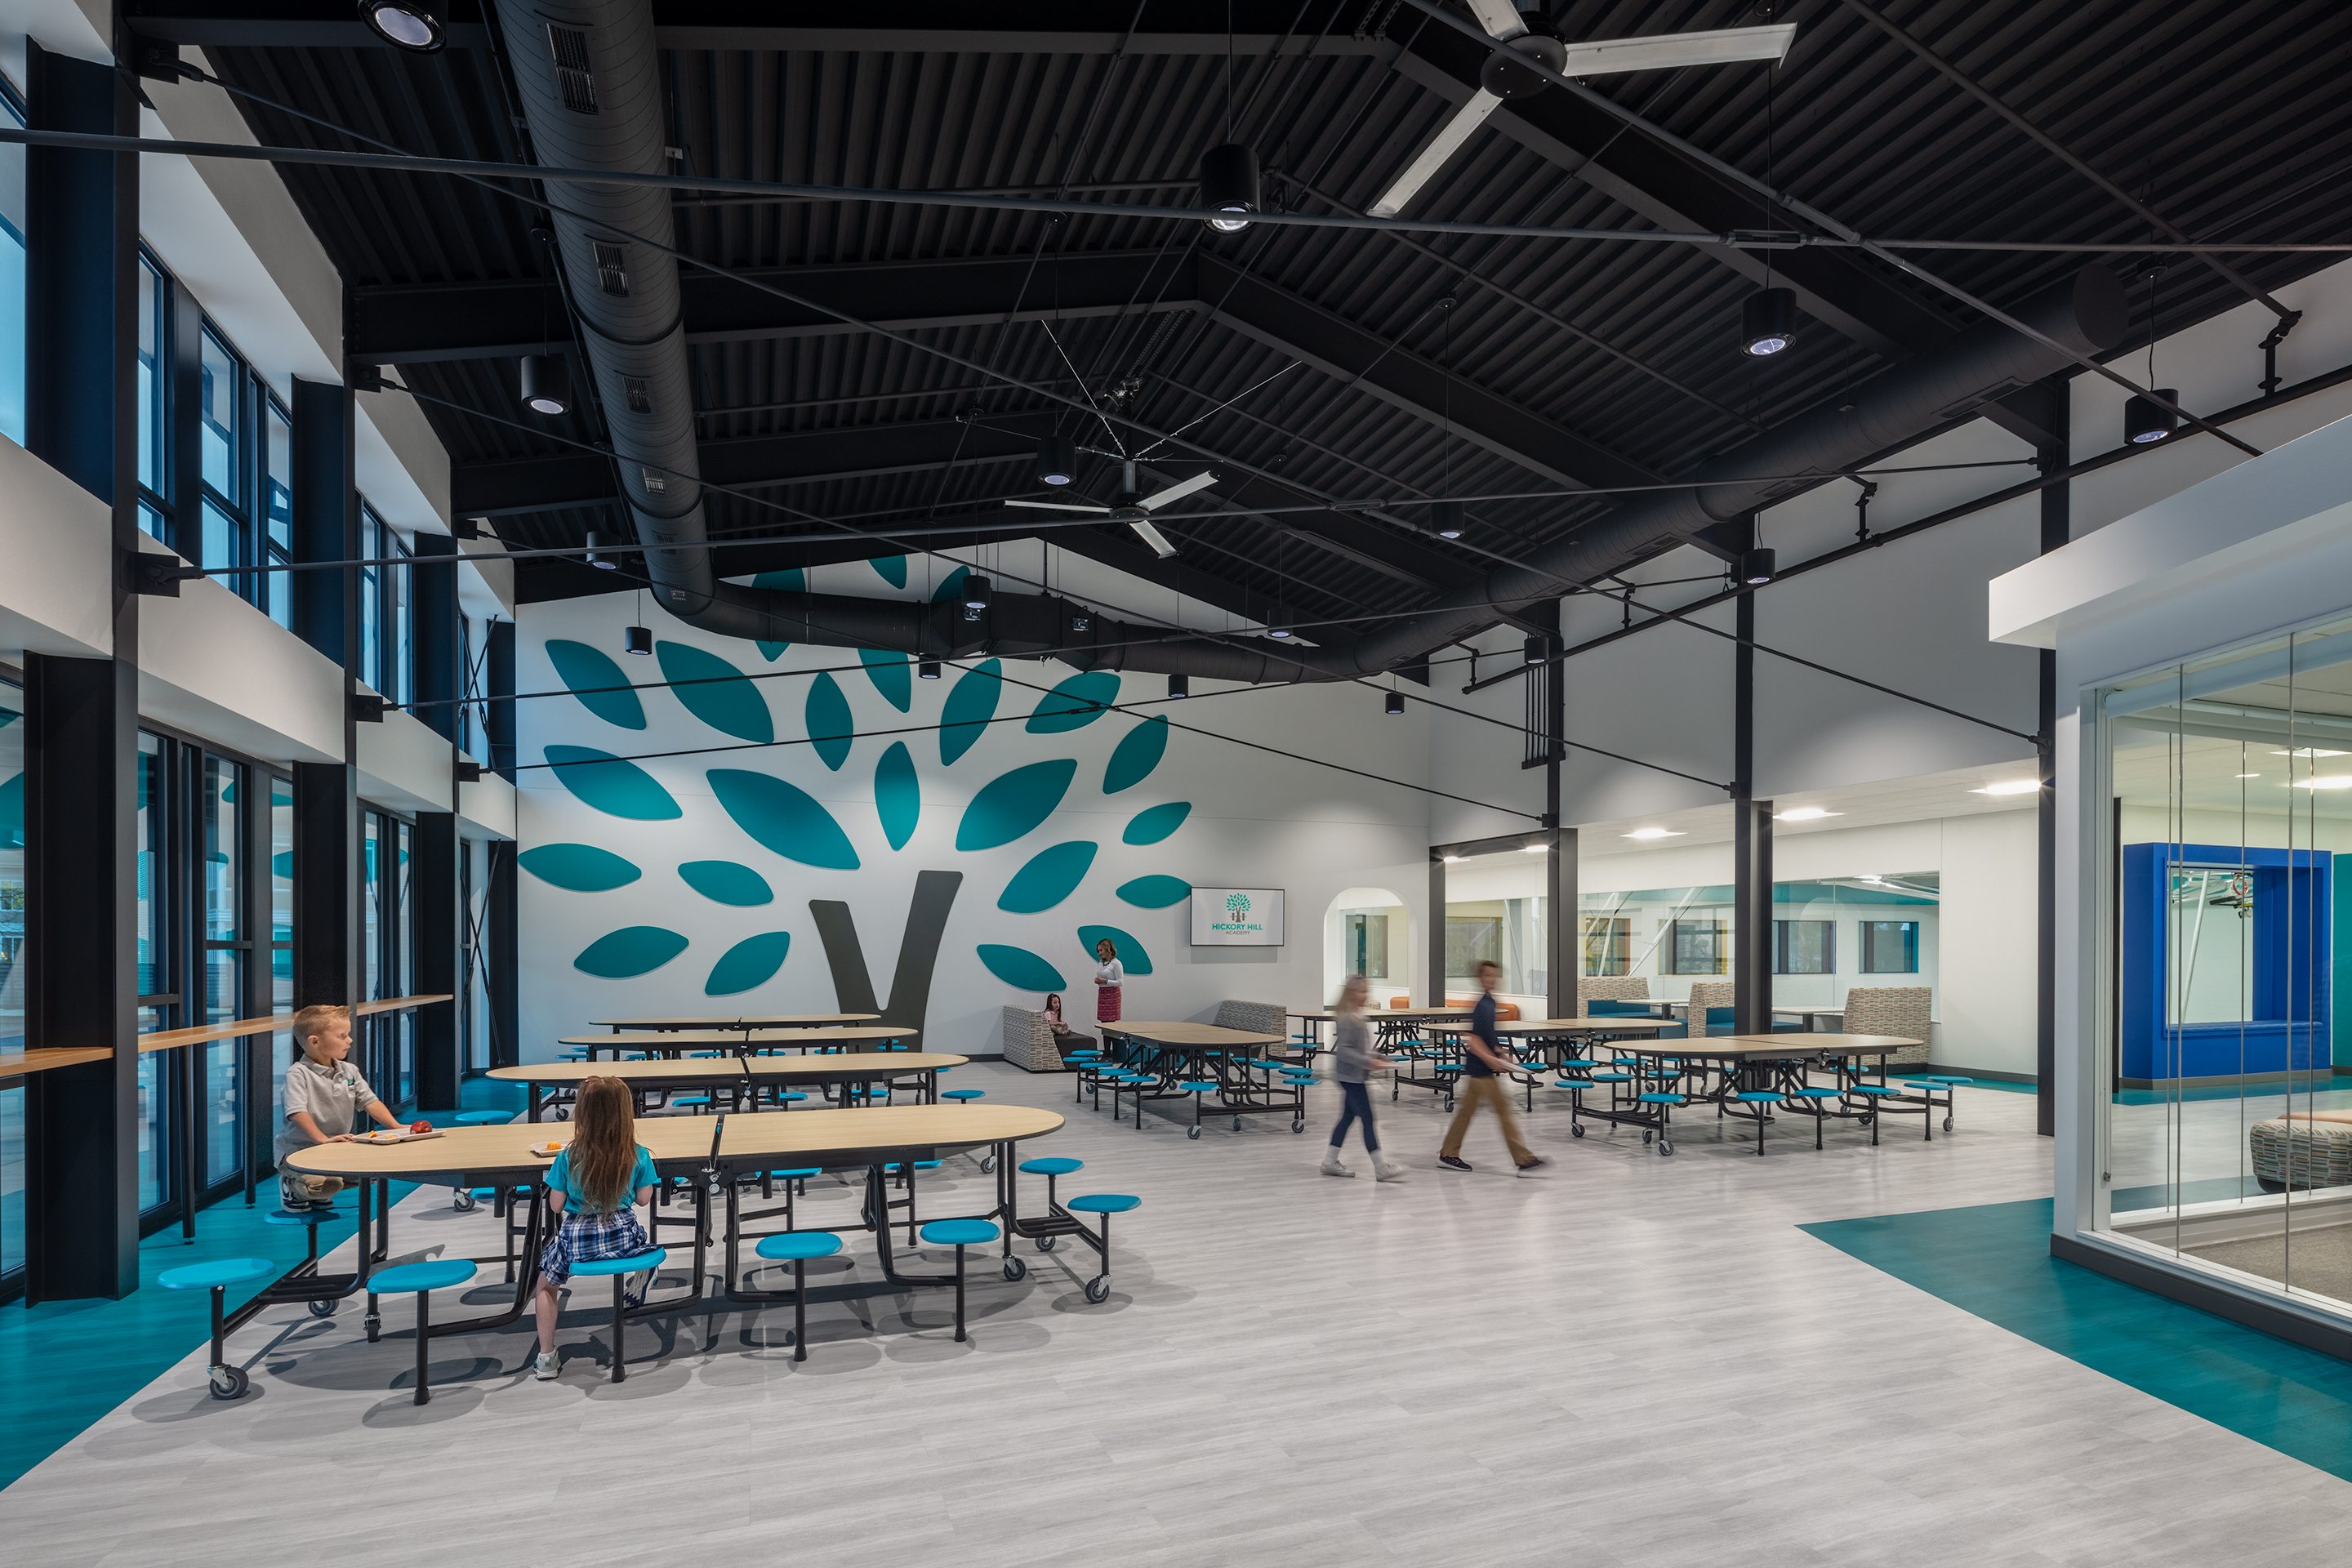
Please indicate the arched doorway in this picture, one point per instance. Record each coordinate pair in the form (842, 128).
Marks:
(1368, 930)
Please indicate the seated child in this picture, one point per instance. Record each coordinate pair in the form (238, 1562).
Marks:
(324, 1096)
(591, 1187)
(1065, 1039)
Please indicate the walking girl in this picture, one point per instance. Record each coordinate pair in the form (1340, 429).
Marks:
(1352, 1063)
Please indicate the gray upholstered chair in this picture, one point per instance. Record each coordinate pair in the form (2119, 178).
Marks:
(1028, 1043)
(1257, 1017)
(1904, 1010)
(1610, 988)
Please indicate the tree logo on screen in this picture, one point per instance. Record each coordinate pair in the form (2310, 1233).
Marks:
(1238, 904)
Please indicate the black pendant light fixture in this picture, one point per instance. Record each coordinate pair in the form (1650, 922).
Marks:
(929, 670)
(1536, 650)
(1768, 321)
(1446, 519)
(1058, 460)
(597, 545)
(2147, 421)
(638, 637)
(1179, 686)
(1396, 702)
(1757, 566)
(417, 26)
(1229, 184)
(546, 383)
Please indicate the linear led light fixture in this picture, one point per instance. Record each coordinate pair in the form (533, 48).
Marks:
(1653, 833)
(2010, 786)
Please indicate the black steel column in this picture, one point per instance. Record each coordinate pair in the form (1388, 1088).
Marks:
(433, 884)
(2057, 527)
(499, 716)
(81, 715)
(329, 965)
(1564, 930)
(501, 941)
(1751, 850)
(325, 519)
(1437, 997)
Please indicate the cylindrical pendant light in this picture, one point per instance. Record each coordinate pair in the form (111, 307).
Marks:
(638, 639)
(598, 543)
(1396, 702)
(1767, 321)
(1229, 184)
(415, 26)
(1058, 460)
(546, 383)
(2147, 421)
(929, 670)
(1757, 566)
(1179, 686)
(1446, 520)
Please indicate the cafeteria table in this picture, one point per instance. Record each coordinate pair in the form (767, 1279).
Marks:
(744, 1075)
(732, 1024)
(712, 1152)
(1171, 1052)
(1760, 1062)
(676, 1043)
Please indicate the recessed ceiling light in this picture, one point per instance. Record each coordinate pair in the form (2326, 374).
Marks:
(2340, 780)
(2306, 751)
(1805, 814)
(1653, 833)
(1539, 848)
(2250, 776)
(2010, 786)
(1451, 859)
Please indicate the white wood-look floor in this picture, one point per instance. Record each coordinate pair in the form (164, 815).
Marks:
(1627, 1359)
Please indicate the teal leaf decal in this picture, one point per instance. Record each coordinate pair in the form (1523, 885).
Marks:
(1021, 969)
(893, 568)
(1155, 892)
(727, 882)
(1132, 959)
(971, 704)
(1138, 751)
(794, 581)
(829, 723)
(890, 676)
(1010, 805)
(749, 962)
(783, 818)
(579, 867)
(772, 651)
(1076, 702)
(1152, 826)
(281, 864)
(721, 696)
(631, 951)
(12, 816)
(614, 786)
(952, 586)
(581, 670)
(897, 795)
(1050, 876)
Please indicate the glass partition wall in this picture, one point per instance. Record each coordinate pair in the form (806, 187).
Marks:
(2227, 1140)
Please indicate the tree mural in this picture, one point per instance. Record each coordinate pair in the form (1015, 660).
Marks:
(778, 819)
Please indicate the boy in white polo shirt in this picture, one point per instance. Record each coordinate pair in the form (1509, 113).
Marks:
(324, 1096)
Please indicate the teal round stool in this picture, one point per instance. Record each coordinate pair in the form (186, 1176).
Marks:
(620, 1269)
(1052, 1167)
(1196, 1087)
(1759, 1099)
(228, 1382)
(310, 1219)
(424, 1278)
(1872, 1093)
(1949, 1083)
(482, 1118)
(788, 1097)
(958, 1234)
(965, 1095)
(1665, 1100)
(1105, 1205)
(1815, 1102)
(797, 1248)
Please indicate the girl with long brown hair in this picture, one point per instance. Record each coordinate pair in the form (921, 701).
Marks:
(592, 1185)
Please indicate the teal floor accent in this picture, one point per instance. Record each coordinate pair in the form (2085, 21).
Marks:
(63, 1365)
(1994, 1261)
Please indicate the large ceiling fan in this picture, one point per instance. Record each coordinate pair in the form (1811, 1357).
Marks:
(1530, 33)
(1133, 508)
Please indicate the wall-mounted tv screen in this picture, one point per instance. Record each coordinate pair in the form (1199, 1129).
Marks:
(1237, 916)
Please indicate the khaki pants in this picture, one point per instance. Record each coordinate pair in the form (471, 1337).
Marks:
(1469, 1095)
(295, 1187)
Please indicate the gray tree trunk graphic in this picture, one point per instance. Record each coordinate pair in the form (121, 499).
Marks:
(918, 950)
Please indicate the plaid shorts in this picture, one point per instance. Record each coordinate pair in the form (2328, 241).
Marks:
(588, 1238)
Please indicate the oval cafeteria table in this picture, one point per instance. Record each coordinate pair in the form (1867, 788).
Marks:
(732, 1071)
(734, 1023)
(712, 1151)
(678, 1042)
(1181, 1050)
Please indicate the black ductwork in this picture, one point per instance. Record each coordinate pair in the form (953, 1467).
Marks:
(591, 97)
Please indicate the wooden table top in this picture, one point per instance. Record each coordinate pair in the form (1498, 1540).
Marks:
(836, 1138)
(1747, 1047)
(815, 1070)
(1183, 1033)
(1852, 1045)
(1566, 1025)
(681, 1040)
(737, 1023)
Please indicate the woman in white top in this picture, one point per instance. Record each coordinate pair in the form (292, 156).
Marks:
(1107, 976)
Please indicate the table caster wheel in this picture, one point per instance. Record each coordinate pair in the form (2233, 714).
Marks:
(1237, 1123)
(1016, 1269)
(988, 1165)
(229, 1383)
(1576, 1130)
(791, 1337)
(1045, 1244)
(1647, 1136)
(1299, 1125)
(1098, 1288)
(465, 1202)
(1191, 1133)
(1861, 1121)
(323, 1309)
(1948, 1124)
(1664, 1148)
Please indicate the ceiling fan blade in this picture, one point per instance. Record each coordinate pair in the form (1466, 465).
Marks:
(1154, 538)
(1606, 57)
(1177, 490)
(1441, 146)
(1499, 18)
(1057, 506)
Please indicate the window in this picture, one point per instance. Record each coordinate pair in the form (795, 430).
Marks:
(1608, 945)
(154, 380)
(281, 931)
(12, 292)
(13, 954)
(388, 1040)
(1890, 947)
(385, 653)
(278, 507)
(1697, 947)
(220, 875)
(224, 394)
(1366, 939)
(1805, 947)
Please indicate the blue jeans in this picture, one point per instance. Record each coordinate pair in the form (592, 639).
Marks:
(1355, 1100)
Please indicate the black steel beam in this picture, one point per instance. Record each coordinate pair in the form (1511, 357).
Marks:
(325, 520)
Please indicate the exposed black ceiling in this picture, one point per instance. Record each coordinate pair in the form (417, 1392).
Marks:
(1332, 358)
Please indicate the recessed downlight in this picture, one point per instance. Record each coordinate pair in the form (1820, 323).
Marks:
(1805, 814)
(1653, 833)
(2009, 786)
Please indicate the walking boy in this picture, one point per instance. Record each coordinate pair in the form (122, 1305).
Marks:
(1479, 1084)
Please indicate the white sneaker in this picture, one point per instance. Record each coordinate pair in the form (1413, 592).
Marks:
(1388, 1171)
(545, 1368)
(1331, 1166)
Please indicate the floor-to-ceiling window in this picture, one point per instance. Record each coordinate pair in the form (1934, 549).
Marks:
(386, 912)
(155, 307)
(159, 997)
(227, 953)
(14, 937)
(12, 275)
